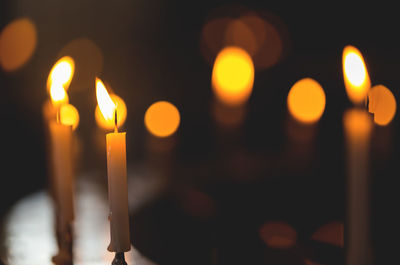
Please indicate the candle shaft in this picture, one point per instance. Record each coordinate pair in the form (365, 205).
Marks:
(63, 182)
(358, 126)
(117, 192)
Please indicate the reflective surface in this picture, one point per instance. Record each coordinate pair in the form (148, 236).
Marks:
(29, 230)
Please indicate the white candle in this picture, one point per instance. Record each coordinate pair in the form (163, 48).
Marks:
(117, 192)
(117, 177)
(61, 154)
(357, 126)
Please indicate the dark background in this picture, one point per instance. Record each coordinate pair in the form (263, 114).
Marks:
(151, 51)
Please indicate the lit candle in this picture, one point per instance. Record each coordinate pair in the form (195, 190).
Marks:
(357, 126)
(232, 83)
(306, 104)
(117, 176)
(60, 119)
(62, 177)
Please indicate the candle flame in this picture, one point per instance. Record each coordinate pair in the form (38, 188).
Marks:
(62, 72)
(306, 101)
(58, 94)
(356, 78)
(121, 117)
(233, 76)
(104, 101)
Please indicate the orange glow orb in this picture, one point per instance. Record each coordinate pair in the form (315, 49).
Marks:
(17, 44)
(356, 78)
(69, 115)
(108, 124)
(233, 76)
(382, 104)
(306, 100)
(162, 119)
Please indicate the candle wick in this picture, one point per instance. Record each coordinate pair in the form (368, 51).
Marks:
(115, 121)
(58, 115)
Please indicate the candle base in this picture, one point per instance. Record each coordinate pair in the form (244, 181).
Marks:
(64, 240)
(119, 259)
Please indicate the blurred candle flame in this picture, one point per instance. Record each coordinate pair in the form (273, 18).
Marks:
(104, 101)
(58, 95)
(233, 76)
(69, 115)
(306, 101)
(62, 72)
(162, 119)
(356, 78)
(382, 104)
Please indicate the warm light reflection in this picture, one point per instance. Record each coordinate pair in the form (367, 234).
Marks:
(382, 104)
(58, 95)
(356, 78)
(162, 119)
(331, 233)
(62, 72)
(17, 43)
(233, 76)
(357, 124)
(88, 59)
(278, 235)
(69, 115)
(306, 100)
(108, 124)
(104, 101)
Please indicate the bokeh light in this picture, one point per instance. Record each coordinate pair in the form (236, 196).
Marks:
(233, 76)
(356, 78)
(108, 124)
(260, 34)
(69, 115)
(278, 235)
(88, 59)
(162, 119)
(306, 100)
(17, 44)
(382, 104)
(62, 72)
(331, 233)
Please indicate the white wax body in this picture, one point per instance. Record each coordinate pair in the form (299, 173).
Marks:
(62, 169)
(118, 192)
(358, 240)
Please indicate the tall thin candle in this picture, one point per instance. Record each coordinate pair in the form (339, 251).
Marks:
(117, 178)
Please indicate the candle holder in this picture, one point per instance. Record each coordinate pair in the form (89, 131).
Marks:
(119, 259)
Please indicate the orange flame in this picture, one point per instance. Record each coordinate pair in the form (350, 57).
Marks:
(61, 73)
(233, 76)
(104, 101)
(121, 117)
(306, 100)
(356, 78)
(58, 95)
